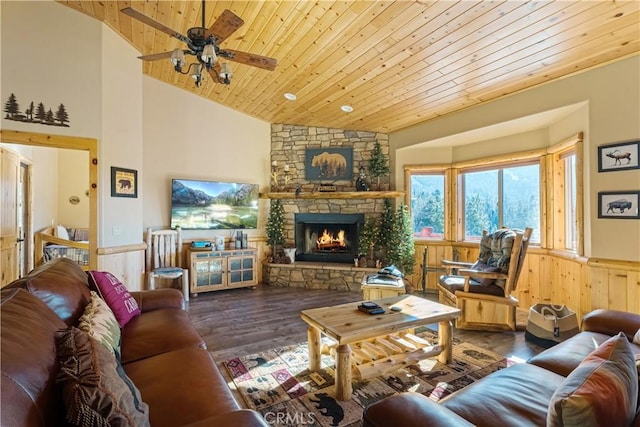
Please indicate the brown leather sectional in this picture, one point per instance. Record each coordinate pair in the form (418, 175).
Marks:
(515, 396)
(162, 353)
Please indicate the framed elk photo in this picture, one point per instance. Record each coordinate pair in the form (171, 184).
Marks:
(619, 156)
(618, 204)
(124, 182)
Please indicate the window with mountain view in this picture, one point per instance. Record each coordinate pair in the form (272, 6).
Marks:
(506, 196)
(427, 205)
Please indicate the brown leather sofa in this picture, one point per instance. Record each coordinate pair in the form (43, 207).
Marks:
(516, 396)
(162, 354)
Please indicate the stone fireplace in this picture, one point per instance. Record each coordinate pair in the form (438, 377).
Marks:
(327, 237)
(323, 261)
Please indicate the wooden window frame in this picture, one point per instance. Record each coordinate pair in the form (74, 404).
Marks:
(442, 170)
(556, 182)
(521, 159)
(552, 183)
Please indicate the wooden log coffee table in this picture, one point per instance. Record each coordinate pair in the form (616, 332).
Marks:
(370, 345)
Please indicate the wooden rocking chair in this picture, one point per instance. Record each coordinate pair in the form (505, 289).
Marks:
(483, 290)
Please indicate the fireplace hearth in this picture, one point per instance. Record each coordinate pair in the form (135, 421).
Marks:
(327, 237)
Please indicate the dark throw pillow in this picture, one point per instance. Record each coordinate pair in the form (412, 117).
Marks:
(95, 389)
(480, 266)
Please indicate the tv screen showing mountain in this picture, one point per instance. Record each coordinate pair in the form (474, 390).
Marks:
(213, 205)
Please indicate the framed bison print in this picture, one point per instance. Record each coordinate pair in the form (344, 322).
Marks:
(328, 164)
(618, 204)
(124, 182)
(619, 156)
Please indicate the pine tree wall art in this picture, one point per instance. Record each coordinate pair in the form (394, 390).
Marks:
(36, 114)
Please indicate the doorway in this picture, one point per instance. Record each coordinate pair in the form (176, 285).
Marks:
(25, 257)
(13, 256)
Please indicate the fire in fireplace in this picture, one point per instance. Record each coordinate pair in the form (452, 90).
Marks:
(327, 237)
(331, 241)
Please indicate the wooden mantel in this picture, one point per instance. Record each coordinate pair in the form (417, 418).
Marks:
(335, 195)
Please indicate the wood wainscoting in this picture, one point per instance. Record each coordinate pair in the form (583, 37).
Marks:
(557, 277)
(126, 262)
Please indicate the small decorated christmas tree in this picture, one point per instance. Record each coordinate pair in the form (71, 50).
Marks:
(404, 249)
(367, 241)
(275, 227)
(378, 165)
(386, 238)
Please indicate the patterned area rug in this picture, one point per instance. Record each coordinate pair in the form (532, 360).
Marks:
(278, 383)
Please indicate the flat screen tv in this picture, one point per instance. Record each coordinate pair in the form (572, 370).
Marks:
(213, 205)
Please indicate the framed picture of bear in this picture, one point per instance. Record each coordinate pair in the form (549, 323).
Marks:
(124, 182)
(328, 164)
(618, 204)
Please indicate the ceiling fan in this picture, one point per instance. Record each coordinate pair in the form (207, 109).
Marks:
(204, 44)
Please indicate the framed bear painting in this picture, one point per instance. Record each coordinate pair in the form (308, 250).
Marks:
(328, 164)
(124, 182)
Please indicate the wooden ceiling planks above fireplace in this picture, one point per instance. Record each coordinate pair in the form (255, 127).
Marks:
(335, 195)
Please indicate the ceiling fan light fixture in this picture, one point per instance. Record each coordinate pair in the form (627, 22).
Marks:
(177, 59)
(225, 73)
(208, 55)
(203, 43)
(196, 75)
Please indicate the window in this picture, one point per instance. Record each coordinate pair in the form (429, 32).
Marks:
(427, 204)
(505, 196)
(570, 202)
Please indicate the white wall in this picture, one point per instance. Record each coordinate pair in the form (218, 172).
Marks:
(612, 93)
(120, 218)
(54, 54)
(51, 54)
(72, 181)
(186, 136)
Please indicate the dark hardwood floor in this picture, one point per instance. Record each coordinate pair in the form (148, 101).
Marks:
(238, 322)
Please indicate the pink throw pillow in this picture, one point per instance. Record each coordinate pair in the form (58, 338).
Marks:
(116, 295)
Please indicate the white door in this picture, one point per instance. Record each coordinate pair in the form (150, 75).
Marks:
(9, 237)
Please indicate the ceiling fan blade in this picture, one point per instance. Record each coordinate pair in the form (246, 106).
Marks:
(156, 56)
(155, 24)
(224, 26)
(263, 62)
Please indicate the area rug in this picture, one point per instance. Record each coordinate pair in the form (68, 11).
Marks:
(279, 385)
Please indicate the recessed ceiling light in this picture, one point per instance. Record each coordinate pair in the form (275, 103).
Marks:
(290, 96)
(347, 108)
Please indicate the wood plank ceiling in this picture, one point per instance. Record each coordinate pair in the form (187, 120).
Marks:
(397, 63)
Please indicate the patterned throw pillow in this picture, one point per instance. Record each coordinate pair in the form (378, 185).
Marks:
(602, 390)
(95, 389)
(116, 295)
(99, 322)
(480, 266)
